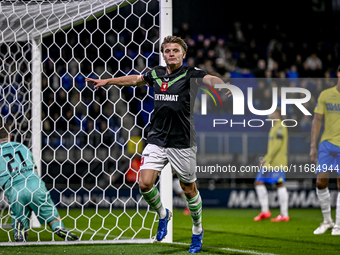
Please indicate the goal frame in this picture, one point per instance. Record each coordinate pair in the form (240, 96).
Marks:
(166, 193)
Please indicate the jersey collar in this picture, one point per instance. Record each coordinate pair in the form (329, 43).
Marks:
(178, 70)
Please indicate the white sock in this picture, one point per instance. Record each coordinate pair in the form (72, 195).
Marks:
(283, 200)
(196, 230)
(325, 203)
(262, 196)
(337, 214)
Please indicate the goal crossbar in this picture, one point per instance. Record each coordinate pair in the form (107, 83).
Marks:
(60, 15)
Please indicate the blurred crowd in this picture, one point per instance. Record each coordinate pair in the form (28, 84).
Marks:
(260, 51)
(73, 113)
(266, 53)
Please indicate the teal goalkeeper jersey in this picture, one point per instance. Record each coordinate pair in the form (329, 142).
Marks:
(16, 164)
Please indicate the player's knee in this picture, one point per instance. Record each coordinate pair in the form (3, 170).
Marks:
(189, 193)
(322, 183)
(145, 186)
(189, 190)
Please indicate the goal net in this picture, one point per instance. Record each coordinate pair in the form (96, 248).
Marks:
(87, 143)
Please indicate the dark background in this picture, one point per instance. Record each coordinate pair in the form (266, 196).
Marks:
(303, 19)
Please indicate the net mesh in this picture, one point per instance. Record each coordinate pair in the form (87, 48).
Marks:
(91, 139)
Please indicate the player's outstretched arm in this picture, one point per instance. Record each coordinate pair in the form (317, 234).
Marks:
(130, 80)
(212, 80)
(316, 125)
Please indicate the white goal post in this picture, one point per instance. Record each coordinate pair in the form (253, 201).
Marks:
(85, 142)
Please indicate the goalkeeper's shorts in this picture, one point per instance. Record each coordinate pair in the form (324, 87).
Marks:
(271, 177)
(31, 195)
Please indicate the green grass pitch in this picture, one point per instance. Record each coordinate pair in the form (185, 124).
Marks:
(227, 231)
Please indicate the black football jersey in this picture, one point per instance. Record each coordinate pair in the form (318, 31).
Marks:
(172, 123)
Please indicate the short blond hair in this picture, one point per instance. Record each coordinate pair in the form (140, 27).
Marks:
(174, 39)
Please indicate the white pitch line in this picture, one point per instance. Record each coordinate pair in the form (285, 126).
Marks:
(231, 249)
(44, 243)
(133, 241)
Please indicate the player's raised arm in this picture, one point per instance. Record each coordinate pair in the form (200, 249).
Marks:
(316, 126)
(212, 80)
(130, 80)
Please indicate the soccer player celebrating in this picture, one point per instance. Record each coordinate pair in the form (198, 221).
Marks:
(25, 190)
(328, 155)
(171, 137)
(276, 157)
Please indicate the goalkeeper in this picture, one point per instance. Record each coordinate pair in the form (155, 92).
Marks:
(171, 137)
(25, 190)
